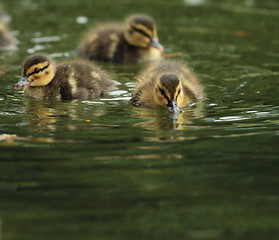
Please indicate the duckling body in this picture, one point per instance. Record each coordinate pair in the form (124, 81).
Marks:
(43, 79)
(169, 84)
(134, 41)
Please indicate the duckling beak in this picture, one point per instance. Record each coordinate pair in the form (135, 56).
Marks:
(154, 43)
(21, 83)
(172, 107)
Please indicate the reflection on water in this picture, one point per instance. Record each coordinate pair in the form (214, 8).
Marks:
(53, 116)
(161, 119)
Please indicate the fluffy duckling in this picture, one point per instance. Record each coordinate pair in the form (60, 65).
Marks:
(169, 84)
(136, 41)
(43, 79)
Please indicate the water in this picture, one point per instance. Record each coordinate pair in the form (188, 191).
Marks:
(103, 169)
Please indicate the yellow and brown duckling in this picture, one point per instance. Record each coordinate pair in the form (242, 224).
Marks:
(135, 41)
(42, 78)
(169, 84)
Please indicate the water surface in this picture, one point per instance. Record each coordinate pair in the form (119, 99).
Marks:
(103, 169)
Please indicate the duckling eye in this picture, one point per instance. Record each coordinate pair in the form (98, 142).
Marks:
(36, 70)
(178, 92)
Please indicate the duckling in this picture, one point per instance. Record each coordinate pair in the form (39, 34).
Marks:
(169, 84)
(42, 78)
(135, 41)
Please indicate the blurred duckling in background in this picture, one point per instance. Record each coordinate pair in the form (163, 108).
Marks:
(136, 41)
(43, 79)
(169, 84)
(7, 40)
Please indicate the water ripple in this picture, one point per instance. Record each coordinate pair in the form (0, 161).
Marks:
(227, 119)
(46, 39)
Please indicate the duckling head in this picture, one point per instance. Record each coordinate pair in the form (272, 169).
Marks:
(168, 92)
(37, 70)
(141, 31)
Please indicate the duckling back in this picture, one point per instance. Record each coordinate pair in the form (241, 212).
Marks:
(81, 80)
(166, 83)
(105, 43)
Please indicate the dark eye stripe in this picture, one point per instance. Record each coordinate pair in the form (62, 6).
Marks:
(164, 94)
(140, 31)
(37, 70)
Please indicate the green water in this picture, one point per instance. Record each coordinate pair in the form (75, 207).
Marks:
(105, 170)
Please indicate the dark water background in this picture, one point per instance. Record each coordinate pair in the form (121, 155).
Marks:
(104, 169)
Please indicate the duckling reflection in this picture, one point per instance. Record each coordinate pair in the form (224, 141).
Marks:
(168, 84)
(43, 117)
(159, 120)
(43, 79)
(51, 116)
(135, 41)
(7, 40)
